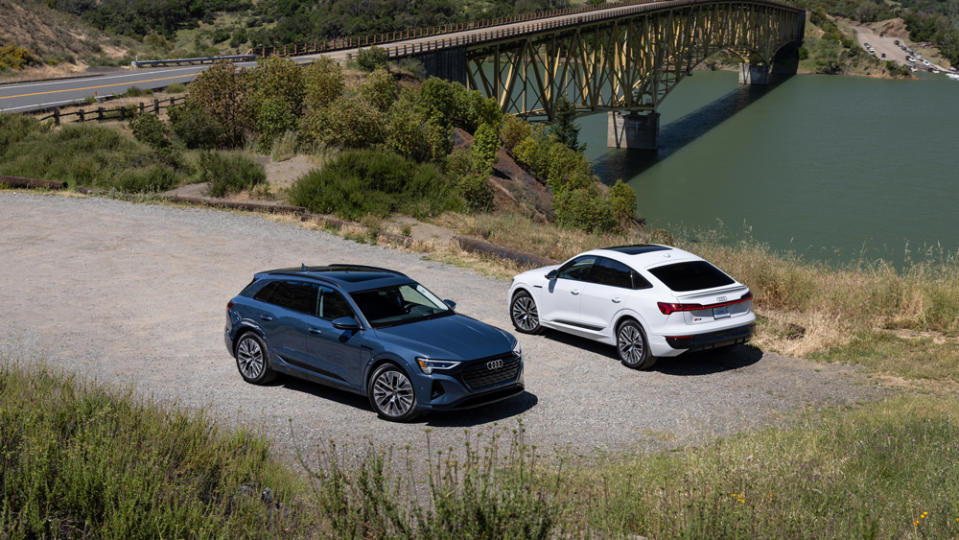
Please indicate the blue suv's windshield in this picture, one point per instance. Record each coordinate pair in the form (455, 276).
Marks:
(399, 304)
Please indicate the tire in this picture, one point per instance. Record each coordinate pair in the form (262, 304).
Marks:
(632, 346)
(253, 359)
(391, 394)
(523, 313)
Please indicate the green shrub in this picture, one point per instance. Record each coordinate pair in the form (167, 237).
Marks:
(414, 136)
(485, 144)
(622, 201)
(477, 192)
(513, 131)
(176, 88)
(148, 128)
(367, 182)
(229, 173)
(14, 58)
(372, 58)
(195, 127)
(583, 208)
(349, 122)
(153, 179)
(16, 127)
(83, 155)
(273, 119)
(136, 91)
(438, 99)
(322, 83)
(380, 89)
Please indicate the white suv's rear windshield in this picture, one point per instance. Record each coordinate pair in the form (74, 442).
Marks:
(691, 276)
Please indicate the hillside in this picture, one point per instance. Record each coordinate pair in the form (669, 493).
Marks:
(57, 42)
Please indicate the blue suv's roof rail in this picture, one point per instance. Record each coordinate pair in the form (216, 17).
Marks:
(349, 267)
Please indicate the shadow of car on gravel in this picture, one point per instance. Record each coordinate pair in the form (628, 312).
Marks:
(465, 418)
(688, 364)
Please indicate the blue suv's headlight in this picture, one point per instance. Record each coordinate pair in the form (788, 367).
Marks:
(517, 350)
(427, 365)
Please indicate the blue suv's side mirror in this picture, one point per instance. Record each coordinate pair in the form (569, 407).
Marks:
(450, 303)
(346, 323)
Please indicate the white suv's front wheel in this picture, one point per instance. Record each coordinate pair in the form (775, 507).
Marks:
(523, 313)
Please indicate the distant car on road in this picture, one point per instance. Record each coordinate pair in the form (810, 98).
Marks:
(648, 300)
(373, 332)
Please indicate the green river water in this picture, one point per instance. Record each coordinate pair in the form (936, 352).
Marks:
(837, 169)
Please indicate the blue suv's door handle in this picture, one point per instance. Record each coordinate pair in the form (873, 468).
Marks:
(266, 317)
(316, 331)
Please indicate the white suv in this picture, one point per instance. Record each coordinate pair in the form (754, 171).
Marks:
(648, 300)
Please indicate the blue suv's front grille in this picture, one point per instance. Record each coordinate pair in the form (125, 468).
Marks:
(491, 371)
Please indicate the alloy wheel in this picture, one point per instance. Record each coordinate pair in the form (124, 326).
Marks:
(249, 358)
(393, 393)
(524, 313)
(632, 346)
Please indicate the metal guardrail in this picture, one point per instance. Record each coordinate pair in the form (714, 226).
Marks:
(101, 114)
(196, 60)
(416, 33)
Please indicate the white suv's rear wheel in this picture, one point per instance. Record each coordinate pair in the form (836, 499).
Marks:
(632, 346)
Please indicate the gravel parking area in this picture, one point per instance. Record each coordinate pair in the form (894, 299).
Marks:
(134, 295)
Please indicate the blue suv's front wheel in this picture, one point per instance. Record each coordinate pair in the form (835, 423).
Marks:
(391, 393)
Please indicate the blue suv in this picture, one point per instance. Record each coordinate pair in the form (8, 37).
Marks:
(374, 332)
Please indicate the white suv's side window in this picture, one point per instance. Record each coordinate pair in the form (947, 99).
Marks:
(577, 269)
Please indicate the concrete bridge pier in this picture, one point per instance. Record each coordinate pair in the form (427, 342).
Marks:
(632, 130)
(753, 73)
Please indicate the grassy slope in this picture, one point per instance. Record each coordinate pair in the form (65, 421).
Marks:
(57, 38)
(78, 460)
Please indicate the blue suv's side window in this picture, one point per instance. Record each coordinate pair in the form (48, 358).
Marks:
(331, 305)
(295, 295)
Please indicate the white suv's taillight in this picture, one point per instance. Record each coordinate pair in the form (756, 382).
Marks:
(667, 308)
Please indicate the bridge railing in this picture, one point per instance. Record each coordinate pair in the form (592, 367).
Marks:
(416, 33)
(588, 15)
(406, 49)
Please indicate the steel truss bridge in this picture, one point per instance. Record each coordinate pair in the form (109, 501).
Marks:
(630, 62)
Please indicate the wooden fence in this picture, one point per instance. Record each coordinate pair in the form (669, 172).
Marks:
(124, 112)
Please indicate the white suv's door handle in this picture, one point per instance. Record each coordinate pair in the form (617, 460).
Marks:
(616, 300)
(574, 291)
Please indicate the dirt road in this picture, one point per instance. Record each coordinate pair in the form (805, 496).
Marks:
(134, 295)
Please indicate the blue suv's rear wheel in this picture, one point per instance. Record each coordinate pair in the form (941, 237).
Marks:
(391, 393)
(253, 359)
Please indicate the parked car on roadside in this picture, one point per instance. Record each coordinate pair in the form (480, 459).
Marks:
(648, 300)
(374, 332)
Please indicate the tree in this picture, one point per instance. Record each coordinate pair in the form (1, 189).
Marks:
(622, 200)
(372, 58)
(485, 143)
(349, 122)
(322, 83)
(218, 92)
(273, 97)
(380, 89)
(563, 126)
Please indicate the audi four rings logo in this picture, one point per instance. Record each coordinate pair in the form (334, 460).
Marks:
(494, 364)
